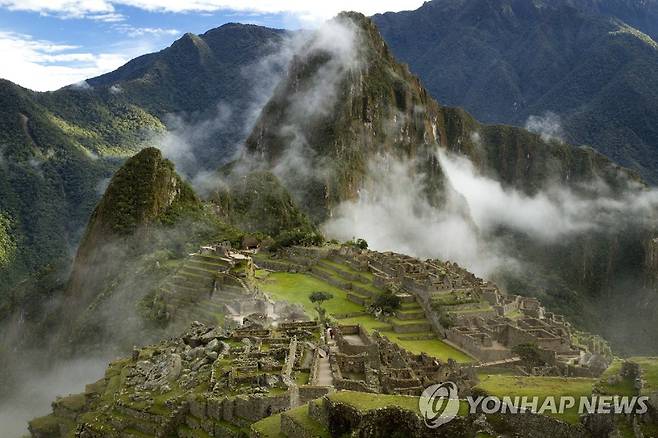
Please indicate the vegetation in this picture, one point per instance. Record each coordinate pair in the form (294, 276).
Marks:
(542, 387)
(535, 74)
(358, 243)
(59, 148)
(259, 202)
(529, 354)
(611, 383)
(295, 288)
(649, 366)
(7, 244)
(318, 298)
(387, 302)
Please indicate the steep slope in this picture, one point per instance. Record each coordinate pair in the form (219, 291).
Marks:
(508, 60)
(144, 192)
(343, 107)
(49, 172)
(258, 202)
(58, 149)
(196, 72)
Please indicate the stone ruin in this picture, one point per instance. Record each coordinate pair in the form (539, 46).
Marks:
(372, 363)
(209, 379)
(483, 322)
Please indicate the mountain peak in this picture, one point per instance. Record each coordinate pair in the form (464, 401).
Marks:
(145, 191)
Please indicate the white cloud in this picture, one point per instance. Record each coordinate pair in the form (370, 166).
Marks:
(393, 212)
(306, 10)
(548, 126)
(141, 31)
(44, 65)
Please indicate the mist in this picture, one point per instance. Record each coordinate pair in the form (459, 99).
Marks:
(41, 385)
(393, 212)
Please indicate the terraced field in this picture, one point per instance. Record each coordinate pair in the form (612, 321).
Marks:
(352, 291)
(542, 387)
(649, 367)
(275, 426)
(190, 291)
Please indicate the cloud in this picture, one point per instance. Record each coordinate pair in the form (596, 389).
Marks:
(44, 65)
(40, 387)
(548, 126)
(394, 212)
(553, 213)
(308, 11)
(142, 31)
(333, 46)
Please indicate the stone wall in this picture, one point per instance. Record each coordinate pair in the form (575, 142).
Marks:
(475, 348)
(412, 328)
(311, 392)
(291, 428)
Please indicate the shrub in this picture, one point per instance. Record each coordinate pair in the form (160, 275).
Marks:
(387, 301)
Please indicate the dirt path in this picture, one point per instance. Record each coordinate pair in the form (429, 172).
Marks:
(325, 378)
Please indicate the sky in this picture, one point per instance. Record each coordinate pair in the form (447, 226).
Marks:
(48, 44)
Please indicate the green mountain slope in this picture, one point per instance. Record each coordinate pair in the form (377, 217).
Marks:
(49, 174)
(507, 60)
(258, 202)
(143, 193)
(376, 107)
(58, 149)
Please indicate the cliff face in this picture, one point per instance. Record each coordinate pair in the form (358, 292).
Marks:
(340, 106)
(144, 192)
(343, 105)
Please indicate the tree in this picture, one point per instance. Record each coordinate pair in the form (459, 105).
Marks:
(529, 353)
(358, 243)
(318, 298)
(388, 302)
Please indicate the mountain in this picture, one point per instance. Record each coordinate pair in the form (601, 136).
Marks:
(60, 148)
(143, 193)
(583, 70)
(375, 105)
(259, 203)
(367, 106)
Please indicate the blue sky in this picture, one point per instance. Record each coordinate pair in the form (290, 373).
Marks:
(47, 44)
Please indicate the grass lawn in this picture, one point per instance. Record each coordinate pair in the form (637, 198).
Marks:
(624, 387)
(649, 373)
(433, 347)
(269, 427)
(512, 386)
(365, 401)
(296, 288)
(300, 416)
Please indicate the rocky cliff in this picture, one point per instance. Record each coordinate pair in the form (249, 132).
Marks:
(347, 102)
